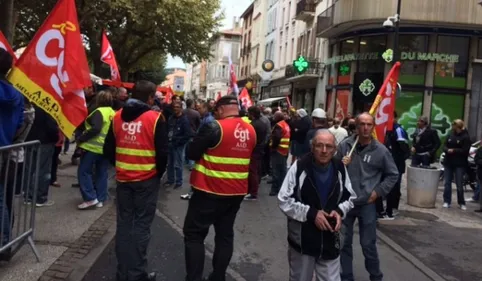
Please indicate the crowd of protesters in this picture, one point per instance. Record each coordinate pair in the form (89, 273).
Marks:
(337, 173)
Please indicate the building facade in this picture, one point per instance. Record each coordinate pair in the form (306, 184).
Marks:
(196, 80)
(245, 53)
(440, 49)
(175, 80)
(258, 32)
(226, 44)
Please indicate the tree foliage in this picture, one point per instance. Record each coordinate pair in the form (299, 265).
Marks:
(141, 33)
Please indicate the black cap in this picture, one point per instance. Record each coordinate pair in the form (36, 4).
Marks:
(227, 100)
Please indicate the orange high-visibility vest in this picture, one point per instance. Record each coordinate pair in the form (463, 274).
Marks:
(223, 170)
(284, 145)
(135, 150)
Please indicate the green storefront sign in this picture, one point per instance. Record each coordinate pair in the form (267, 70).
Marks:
(387, 56)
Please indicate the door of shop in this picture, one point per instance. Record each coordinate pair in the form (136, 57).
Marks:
(475, 116)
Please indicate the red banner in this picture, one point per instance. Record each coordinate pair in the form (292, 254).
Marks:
(108, 57)
(53, 70)
(384, 104)
(245, 98)
(6, 46)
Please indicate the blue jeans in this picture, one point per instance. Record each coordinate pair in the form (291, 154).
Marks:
(4, 217)
(175, 165)
(278, 165)
(89, 161)
(367, 223)
(476, 192)
(45, 156)
(448, 177)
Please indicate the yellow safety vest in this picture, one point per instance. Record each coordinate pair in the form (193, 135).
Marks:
(246, 119)
(96, 144)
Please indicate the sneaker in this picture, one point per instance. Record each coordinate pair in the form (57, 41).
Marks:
(469, 199)
(100, 205)
(446, 205)
(250, 197)
(395, 212)
(168, 185)
(88, 204)
(186, 196)
(177, 186)
(55, 184)
(463, 208)
(45, 204)
(386, 217)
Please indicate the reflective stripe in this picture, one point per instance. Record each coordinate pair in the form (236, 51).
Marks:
(226, 160)
(135, 152)
(285, 140)
(219, 174)
(135, 167)
(283, 145)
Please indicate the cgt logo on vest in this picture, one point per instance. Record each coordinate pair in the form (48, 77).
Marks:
(242, 135)
(132, 128)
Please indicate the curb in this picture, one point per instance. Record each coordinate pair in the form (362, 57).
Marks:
(234, 274)
(409, 257)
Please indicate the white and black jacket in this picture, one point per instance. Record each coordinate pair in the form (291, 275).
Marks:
(299, 200)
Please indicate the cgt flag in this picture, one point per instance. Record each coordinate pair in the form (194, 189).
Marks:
(384, 104)
(6, 46)
(108, 57)
(53, 70)
(245, 98)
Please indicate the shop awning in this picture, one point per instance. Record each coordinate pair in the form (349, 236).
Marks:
(270, 100)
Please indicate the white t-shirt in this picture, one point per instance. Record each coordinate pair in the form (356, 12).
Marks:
(340, 133)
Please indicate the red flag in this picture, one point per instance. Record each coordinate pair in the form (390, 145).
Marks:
(245, 98)
(6, 46)
(169, 95)
(384, 104)
(218, 97)
(53, 70)
(108, 57)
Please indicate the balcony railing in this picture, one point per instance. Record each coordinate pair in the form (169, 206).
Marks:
(315, 68)
(305, 10)
(325, 20)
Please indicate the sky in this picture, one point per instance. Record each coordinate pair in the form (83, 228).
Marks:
(232, 8)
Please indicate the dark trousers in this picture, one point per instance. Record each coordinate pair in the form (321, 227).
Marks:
(266, 165)
(66, 144)
(43, 175)
(253, 176)
(205, 210)
(459, 177)
(423, 160)
(136, 208)
(393, 198)
(55, 164)
(279, 170)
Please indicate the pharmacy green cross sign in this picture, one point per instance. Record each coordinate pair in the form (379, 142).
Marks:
(366, 87)
(300, 64)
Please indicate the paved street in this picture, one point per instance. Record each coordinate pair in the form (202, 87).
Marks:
(260, 245)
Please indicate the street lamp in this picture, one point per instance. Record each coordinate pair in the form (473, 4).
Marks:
(389, 24)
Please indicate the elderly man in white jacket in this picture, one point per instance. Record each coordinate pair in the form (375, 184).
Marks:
(316, 194)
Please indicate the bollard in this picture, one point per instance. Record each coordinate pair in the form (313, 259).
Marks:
(422, 186)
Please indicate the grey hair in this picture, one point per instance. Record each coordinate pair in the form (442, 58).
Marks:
(323, 132)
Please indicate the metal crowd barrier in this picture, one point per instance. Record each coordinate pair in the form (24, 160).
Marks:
(19, 165)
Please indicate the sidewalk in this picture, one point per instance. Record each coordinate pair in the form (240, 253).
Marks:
(448, 241)
(260, 250)
(64, 235)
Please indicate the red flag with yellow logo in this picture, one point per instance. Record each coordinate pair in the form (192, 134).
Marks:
(6, 46)
(108, 57)
(384, 104)
(53, 70)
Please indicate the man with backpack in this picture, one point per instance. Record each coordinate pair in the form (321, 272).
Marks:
(397, 142)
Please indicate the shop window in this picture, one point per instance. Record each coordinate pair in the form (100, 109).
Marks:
(413, 72)
(409, 107)
(308, 102)
(341, 103)
(445, 109)
(452, 74)
(373, 44)
(344, 69)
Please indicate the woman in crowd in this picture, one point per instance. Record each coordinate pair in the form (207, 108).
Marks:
(456, 150)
